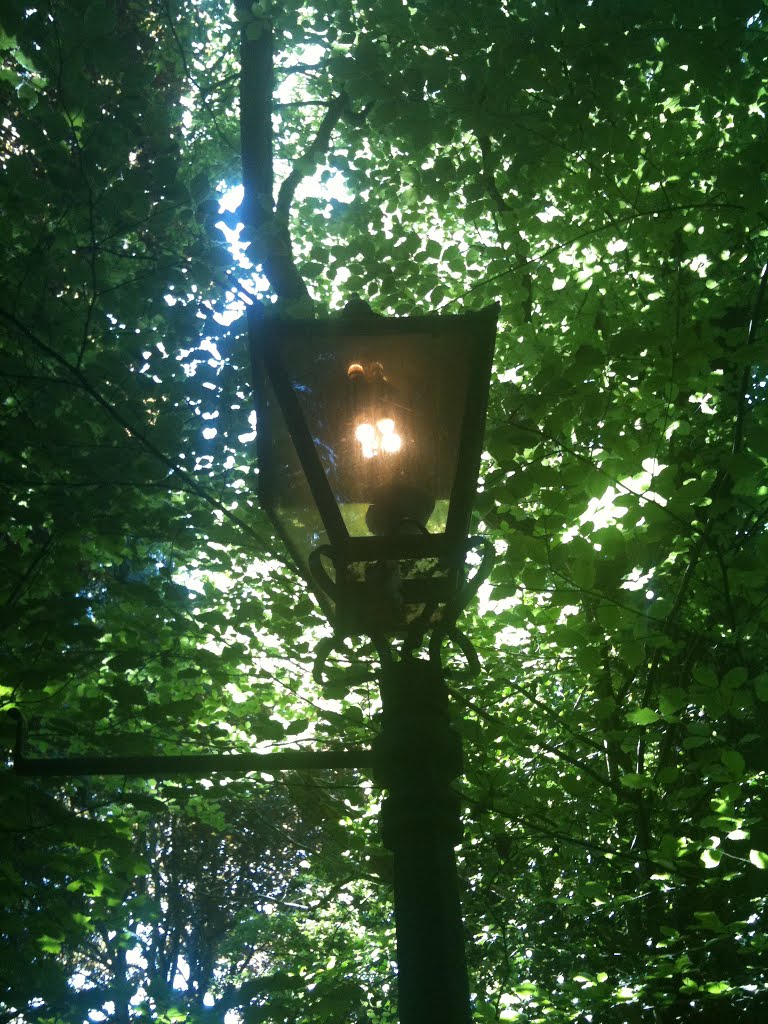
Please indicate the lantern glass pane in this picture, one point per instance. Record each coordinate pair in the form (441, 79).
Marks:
(284, 490)
(384, 412)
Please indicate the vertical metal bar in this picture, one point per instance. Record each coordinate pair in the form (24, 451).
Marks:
(299, 430)
(482, 325)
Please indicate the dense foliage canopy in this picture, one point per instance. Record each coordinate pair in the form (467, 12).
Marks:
(598, 167)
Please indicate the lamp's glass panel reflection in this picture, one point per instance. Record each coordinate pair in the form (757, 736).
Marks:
(385, 415)
(285, 483)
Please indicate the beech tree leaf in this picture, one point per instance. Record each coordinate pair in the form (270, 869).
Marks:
(643, 716)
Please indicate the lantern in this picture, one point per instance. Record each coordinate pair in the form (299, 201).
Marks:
(369, 435)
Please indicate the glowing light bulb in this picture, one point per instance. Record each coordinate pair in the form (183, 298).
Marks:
(365, 433)
(381, 438)
(390, 441)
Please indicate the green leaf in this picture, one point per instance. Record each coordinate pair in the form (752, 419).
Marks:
(761, 686)
(711, 857)
(734, 762)
(610, 616)
(643, 716)
(705, 675)
(49, 944)
(634, 781)
(734, 678)
(737, 834)
(633, 652)
(299, 726)
(718, 988)
(708, 920)
(672, 700)
(432, 250)
(759, 859)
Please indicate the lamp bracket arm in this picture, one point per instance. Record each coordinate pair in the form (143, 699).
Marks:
(446, 629)
(465, 645)
(163, 766)
(323, 651)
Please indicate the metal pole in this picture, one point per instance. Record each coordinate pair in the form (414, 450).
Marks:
(416, 758)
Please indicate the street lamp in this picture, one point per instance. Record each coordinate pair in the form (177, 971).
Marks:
(369, 438)
(369, 435)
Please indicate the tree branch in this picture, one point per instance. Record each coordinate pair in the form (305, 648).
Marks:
(269, 239)
(306, 164)
(590, 232)
(536, 740)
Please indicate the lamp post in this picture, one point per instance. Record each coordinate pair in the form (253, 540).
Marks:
(369, 434)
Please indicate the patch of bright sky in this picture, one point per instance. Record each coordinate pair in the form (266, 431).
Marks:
(704, 403)
(700, 264)
(549, 213)
(512, 636)
(637, 579)
(603, 511)
(511, 376)
(135, 958)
